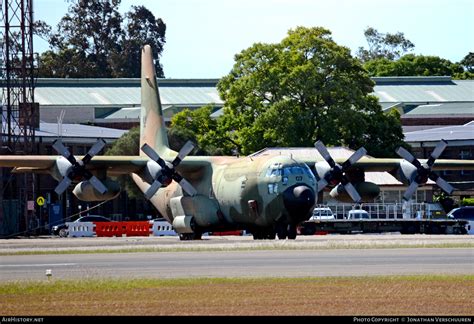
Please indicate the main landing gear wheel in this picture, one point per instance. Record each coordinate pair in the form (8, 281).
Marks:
(291, 231)
(190, 236)
(285, 231)
(264, 234)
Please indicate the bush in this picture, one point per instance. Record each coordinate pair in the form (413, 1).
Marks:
(467, 202)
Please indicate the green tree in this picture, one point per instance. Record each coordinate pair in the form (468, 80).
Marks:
(388, 46)
(303, 89)
(94, 40)
(413, 65)
(198, 126)
(468, 62)
(127, 144)
(141, 27)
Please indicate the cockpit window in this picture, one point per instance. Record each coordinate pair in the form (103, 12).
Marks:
(277, 170)
(271, 172)
(297, 170)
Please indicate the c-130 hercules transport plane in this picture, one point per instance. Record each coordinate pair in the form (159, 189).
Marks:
(267, 195)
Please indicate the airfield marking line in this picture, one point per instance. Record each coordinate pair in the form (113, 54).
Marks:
(37, 265)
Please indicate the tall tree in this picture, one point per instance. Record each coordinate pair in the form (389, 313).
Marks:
(303, 89)
(141, 27)
(94, 40)
(389, 46)
(468, 62)
(413, 65)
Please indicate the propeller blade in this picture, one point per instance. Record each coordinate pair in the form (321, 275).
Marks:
(185, 150)
(355, 157)
(402, 152)
(324, 153)
(153, 155)
(352, 192)
(152, 189)
(439, 149)
(410, 191)
(150, 152)
(188, 187)
(62, 150)
(443, 184)
(98, 185)
(436, 152)
(63, 185)
(96, 148)
(322, 184)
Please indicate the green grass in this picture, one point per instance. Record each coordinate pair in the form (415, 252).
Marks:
(263, 247)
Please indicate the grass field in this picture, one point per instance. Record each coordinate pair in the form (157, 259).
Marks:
(399, 295)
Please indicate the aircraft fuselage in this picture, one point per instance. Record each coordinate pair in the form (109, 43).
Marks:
(252, 192)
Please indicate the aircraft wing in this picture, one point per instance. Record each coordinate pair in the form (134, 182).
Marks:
(371, 164)
(114, 165)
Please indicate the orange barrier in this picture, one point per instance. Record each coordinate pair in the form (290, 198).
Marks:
(138, 228)
(109, 229)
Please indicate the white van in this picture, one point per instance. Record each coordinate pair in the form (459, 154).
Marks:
(322, 213)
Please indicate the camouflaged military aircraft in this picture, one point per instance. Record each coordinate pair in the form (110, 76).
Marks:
(267, 195)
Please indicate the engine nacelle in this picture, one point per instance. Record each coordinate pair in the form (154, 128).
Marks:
(367, 190)
(184, 224)
(85, 191)
(322, 169)
(61, 168)
(408, 172)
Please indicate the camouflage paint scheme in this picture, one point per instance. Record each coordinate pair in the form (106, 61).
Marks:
(267, 195)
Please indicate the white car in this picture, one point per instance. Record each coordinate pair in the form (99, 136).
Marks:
(322, 213)
(358, 214)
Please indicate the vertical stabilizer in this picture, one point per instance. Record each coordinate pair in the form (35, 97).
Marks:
(152, 122)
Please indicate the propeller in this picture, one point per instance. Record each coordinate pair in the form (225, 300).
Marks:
(168, 172)
(331, 172)
(423, 171)
(77, 168)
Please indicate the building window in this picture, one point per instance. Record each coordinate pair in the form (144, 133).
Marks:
(465, 155)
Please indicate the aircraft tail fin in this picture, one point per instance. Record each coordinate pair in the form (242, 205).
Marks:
(152, 122)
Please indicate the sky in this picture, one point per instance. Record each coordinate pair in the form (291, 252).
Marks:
(202, 36)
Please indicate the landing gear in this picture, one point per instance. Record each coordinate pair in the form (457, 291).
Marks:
(285, 231)
(291, 231)
(282, 230)
(190, 236)
(264, 234)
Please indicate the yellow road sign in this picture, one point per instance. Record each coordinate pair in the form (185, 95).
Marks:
(40, 201)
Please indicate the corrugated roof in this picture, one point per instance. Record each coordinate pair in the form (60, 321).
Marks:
(423, 90)
(76, 130)
(451, 108)
(123, 92)
(464, 132)
(391, 91)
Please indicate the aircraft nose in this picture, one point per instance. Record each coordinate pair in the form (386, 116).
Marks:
(298, 201)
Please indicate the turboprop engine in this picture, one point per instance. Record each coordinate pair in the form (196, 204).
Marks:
(367, 190)
(329, 172)
(416, 173)
(86, 191)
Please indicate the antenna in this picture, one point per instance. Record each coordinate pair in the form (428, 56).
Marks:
(60, 123)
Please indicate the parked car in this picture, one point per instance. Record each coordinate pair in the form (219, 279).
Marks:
(322, 213)
(465, 213)
(357, 214)
(62, 230)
